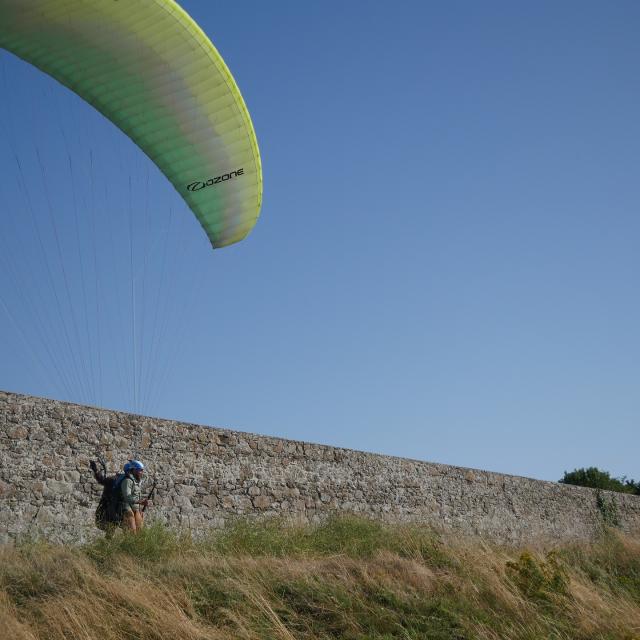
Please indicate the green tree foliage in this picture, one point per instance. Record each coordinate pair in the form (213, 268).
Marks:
(596, 479)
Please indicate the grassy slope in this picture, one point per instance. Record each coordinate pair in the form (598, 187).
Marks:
(347, 579)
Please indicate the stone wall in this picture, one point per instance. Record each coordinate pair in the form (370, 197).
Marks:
(208, 475)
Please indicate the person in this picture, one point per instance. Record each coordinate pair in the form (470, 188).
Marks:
(133, 503)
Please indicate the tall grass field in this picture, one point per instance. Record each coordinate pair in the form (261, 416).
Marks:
(348, 578)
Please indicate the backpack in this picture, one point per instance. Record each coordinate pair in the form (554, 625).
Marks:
(111, 506)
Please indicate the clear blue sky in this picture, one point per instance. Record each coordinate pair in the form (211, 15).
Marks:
(446, 265)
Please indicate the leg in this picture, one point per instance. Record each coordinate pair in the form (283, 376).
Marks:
(129, 521)
(139, 520)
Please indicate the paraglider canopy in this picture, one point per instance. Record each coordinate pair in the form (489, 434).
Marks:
(149, 68)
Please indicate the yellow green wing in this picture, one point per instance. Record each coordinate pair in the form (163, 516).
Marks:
(149, 68)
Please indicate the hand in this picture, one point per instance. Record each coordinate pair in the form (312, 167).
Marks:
(145, 502)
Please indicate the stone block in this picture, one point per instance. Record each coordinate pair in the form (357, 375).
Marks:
(38, 487)
(46, 515)
(18, 433)
(242, 503)
(183, 502)
(68, 476)
(6, 490)
(262, 502)
(57, 488)
(210, 501)
(185, 490)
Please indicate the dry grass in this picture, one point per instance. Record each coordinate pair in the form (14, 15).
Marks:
(347, 579)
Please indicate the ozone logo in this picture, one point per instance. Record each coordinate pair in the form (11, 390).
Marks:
(200, 184)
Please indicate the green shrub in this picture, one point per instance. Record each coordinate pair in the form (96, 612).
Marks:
(539, 579)
(608, 510)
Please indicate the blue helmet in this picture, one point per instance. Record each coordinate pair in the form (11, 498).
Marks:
(134, 465)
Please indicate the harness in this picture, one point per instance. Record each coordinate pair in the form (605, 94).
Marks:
(111, 506)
